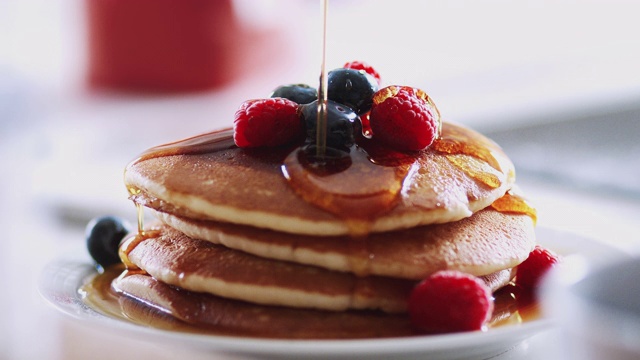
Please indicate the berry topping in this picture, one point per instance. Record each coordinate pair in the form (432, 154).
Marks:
(450, 301)
(103, 236)
(298, 93)
(361, 65)
(353, 88)
(342, 124)
(530, 272)
(266, 122)
(404, 118)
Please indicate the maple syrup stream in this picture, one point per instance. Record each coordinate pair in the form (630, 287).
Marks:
(321, 130)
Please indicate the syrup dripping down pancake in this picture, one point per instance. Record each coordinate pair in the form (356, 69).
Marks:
(484, 243)
(196, 265)
(208, 178)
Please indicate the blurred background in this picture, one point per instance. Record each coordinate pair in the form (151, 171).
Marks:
(87, 85)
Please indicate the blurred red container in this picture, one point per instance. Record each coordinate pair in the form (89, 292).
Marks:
(163, 45)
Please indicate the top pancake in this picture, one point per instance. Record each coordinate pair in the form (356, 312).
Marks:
(207, 177)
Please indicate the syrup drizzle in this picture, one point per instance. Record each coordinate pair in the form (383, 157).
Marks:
(321, 126)
(126, 246)
(475, 171)
(455, 140)
(200, 144)
(129, 243)
(374, 179)
(358, 195)
(132, 240)
(515, 203)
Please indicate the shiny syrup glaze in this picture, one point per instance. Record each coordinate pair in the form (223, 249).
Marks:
(200, 144)
(353, 188)
(509, 309)
(130, 242)
(515, 203)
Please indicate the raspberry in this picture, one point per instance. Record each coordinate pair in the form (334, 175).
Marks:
(361, 65)
(266, 122)
(404, 118)
(530, 272)
(450, 301)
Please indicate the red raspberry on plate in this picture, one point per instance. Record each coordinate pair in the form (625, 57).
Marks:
(450, 301)
(361, 65)
(266, 122)
(404, 118)
(530, 272)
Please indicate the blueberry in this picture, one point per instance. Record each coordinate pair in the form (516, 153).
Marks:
(342, 124)
(298, 93)
(103, 236)
(354, 88)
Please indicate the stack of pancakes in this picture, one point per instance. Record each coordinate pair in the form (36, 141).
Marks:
(238, 248)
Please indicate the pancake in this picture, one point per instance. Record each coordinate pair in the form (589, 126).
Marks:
(232, 317)
(484, 243)
(208, 178)
(216, 315)
(201, 266)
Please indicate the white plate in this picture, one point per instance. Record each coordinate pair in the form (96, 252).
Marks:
(61, 280)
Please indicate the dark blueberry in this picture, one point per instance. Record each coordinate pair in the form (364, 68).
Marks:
(103, 236)
(342, 124)
(298, 93)
(354, 88)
